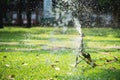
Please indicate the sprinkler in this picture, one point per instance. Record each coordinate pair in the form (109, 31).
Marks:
(81, 52)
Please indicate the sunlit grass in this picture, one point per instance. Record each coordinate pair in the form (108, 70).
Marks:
(45, 53)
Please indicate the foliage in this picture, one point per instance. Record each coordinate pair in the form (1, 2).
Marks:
(112, 4)
(102, 2)
(113, 7)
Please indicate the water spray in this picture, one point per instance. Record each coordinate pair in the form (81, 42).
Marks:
(81, 51)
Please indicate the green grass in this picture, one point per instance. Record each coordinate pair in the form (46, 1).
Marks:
(45, 53)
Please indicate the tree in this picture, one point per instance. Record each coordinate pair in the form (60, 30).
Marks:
(19, 12)
(31, 5)
(3, 10)
(1, 14)
(38, 9)
(114, 8)
(28, 12)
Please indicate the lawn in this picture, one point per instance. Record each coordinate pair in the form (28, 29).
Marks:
(46, 53)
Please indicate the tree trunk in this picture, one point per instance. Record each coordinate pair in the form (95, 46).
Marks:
(19, 19)
(1, 19)
(28, 19)
(115, 8)
(1, 14)
(19, 13)
(116, 19)
(37, 16)
(28, 14)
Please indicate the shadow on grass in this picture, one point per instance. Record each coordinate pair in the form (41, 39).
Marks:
(12, 36)
(103, 74)
(17, 36)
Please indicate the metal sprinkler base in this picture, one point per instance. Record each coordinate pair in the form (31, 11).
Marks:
(85, 57)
